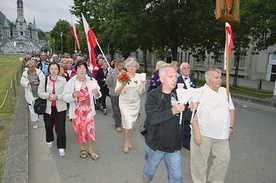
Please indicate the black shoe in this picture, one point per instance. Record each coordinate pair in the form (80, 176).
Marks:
(104, 111)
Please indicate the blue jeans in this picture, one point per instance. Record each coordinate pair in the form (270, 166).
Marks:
(173, 162)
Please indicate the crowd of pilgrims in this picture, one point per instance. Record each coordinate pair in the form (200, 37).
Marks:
(66, 82)
(73, 87)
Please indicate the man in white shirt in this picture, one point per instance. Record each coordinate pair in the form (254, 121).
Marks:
(213, 126)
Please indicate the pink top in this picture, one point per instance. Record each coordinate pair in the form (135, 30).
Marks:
(54, 103)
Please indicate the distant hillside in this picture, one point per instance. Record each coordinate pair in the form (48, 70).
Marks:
(2, 18)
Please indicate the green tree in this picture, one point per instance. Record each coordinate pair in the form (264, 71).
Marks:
(62, 39)
(116, 23)
(263, 16)
(163, 26)
(42, 35)
(257, 29)
(88, 9)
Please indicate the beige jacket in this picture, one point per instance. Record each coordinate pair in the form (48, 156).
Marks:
(59, 87)
(28, 89)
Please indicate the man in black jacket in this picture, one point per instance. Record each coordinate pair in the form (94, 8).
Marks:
(164, 132)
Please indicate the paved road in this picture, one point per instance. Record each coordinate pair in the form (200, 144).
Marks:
(30, 160)
(253, 153)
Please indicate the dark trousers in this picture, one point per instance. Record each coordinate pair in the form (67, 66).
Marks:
(49, 120)
(186, 134)
(116, 110)
(104, 92)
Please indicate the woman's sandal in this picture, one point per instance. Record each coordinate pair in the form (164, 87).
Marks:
(93, 155)
(83, 154)
(130, 146)
(126, 149)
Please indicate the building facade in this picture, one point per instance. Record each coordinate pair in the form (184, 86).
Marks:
(22, 38)
(260, 66)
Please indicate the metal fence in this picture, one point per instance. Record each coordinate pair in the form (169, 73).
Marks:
(12, 90)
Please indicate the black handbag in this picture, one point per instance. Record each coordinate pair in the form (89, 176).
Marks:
(40, 104)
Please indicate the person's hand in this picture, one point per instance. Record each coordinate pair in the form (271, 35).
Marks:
(197, 138)
(144, 82)
(32, 81)
(75, 94)
(177, 108)
(110, 70)
(231, 133)
(193, 106)
(95, 91)
(53, 97)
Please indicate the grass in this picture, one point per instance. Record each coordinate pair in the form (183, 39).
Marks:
(241, 90)
(8, 67)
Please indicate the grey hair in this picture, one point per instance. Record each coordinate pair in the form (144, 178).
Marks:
(54, 55)
(30, 62)
(213, 69)
(119, 60)
(28, 57)
(184, 63)
(161, 70)
(133, 62)
(130, 58)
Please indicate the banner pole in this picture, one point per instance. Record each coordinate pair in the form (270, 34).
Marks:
(227, 65)
(102, 52)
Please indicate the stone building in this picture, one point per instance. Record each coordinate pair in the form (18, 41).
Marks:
(22, 38)
(260, 66)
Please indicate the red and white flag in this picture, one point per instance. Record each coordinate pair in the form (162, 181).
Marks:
(74, 33)
(92, 41)
(229, 43)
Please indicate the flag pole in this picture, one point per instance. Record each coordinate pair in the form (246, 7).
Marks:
(227, 65)
(102, 52)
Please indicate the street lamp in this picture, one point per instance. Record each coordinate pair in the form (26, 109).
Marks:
(61, 43)
(31, 48)
(53, 45)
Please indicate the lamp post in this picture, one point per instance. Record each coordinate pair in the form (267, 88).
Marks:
(31, 48)
(61, 43)
(53, 45)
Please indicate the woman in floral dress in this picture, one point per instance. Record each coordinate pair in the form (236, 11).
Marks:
(80, 93)
(129, 100)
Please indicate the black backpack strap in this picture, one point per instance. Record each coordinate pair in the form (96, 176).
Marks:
(46, 84)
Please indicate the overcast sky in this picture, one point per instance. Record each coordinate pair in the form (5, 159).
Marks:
(45, 12)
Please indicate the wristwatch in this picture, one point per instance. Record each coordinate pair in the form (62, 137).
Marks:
(231, 127)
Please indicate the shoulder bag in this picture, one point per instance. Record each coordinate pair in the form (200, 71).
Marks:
(40, 104)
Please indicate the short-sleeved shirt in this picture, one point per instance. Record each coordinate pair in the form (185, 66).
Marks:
(213, 113)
